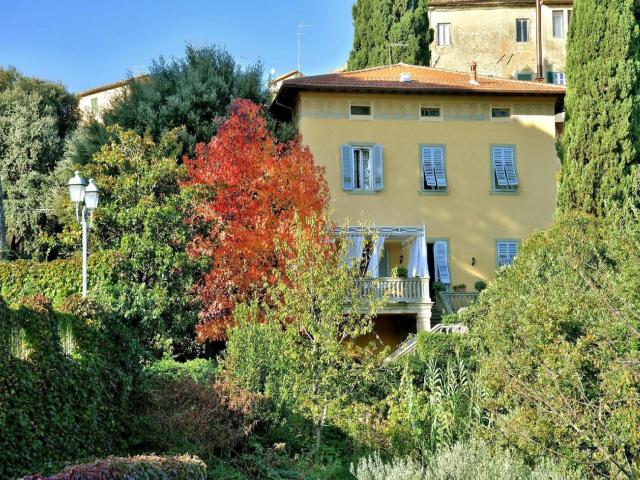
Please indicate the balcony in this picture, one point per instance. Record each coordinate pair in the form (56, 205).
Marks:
(451, 302)
(396, 290)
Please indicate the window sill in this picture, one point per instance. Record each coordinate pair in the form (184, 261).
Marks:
(362, 192)
(436, 193)
(504, 192)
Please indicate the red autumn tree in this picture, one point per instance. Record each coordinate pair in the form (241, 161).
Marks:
(257, 186)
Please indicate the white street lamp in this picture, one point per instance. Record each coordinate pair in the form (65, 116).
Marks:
(81, 192)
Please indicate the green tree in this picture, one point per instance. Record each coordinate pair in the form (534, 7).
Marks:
(558, 336)
(600, 148)
(190, 93)
(35, 118)
(142, 222)
(297, 347)
(390, 31)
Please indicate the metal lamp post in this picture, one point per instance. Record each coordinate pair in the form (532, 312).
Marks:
(87, 194)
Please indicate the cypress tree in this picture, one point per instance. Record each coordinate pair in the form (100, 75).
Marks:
(600, 148)
(379, 24)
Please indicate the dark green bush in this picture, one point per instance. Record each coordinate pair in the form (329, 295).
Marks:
(147, 467)
(62, 400)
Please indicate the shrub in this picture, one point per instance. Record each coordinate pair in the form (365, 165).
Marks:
(56, 280)
(56, 405)
(442, 349)
(374, 468)
(182, 415)
(476, 460)
(147, 467)
(200, 369)
(463, 461)
(558, 346)
(480, 285)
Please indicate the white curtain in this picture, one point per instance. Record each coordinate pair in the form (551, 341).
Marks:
(354, 253)
(418, 258)
(374, 262)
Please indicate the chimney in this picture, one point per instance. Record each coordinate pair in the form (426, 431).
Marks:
(474, 74)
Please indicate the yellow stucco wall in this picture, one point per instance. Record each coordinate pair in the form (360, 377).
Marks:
(487, 35)
(470, 216)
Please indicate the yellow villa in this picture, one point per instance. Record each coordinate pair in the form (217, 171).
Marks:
(453, 171)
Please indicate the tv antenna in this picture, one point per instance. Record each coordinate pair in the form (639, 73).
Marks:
(396, 44)
(299, 34)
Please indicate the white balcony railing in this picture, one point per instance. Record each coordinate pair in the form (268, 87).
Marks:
(396, 290)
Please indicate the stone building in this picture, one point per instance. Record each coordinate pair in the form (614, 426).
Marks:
(518, 39)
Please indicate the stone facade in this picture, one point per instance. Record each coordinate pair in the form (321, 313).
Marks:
(486, 31)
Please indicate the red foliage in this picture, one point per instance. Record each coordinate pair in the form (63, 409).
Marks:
(258, 184)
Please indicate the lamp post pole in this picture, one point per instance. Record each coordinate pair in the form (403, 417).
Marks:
(87, 195)
(85, 253)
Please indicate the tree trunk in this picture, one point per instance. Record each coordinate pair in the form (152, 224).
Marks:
(319, 426)
(4, 250)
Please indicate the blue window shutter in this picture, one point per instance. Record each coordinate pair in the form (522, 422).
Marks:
(442, 261)
(438, 165)
(513, 250)
(378, 182)
(347, 168)
(498, 166)
(427, 166)
(507, 250)
(510, 166)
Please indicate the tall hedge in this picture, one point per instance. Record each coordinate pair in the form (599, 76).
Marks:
(600, 148)
(55, 280)
(60, 405)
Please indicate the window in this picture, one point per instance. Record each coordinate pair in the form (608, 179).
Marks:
(440, 252)
(525, 76)
(383, 268)
(500, 113)
(558, 23)
(430, 113)
(569, 12)
(522, 30)
(556, 78)
(433, 169)
(361, 111)
(362, 167)
(94, 106)
(504, 176)
(506, 250)
(444, 34)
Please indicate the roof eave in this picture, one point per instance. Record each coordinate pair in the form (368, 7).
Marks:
(288, 91)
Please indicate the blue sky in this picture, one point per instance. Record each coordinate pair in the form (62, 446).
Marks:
(92, 42)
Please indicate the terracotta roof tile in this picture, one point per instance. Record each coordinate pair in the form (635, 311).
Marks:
(423, 80)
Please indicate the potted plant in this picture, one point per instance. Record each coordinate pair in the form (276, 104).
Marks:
(461, 288)
(439, 287)
(480, 285)
(399, 272)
